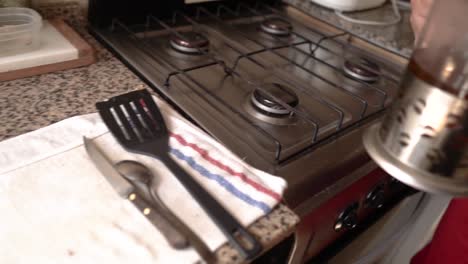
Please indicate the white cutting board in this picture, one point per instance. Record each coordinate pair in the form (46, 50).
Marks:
(54, 48)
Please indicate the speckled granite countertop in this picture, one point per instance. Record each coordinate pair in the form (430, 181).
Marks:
(398, 38)
(31, 103)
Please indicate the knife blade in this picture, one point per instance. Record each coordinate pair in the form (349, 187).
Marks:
(104, 165)
(128, 191)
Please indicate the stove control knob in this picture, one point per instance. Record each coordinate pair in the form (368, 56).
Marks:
(376, 197)
(348, 219)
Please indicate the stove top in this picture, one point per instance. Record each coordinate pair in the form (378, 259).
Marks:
(264, 83)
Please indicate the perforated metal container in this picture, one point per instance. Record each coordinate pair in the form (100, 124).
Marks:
(423, 141)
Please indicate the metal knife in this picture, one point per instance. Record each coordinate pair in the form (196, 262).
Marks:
(128, 191)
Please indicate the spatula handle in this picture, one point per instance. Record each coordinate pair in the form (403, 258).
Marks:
(237, 235)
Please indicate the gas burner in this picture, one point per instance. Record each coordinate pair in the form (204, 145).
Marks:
(276, 26)
(362, 69)
(189, 42)
(267, 105)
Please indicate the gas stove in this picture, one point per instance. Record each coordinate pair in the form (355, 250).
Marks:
(289, 94)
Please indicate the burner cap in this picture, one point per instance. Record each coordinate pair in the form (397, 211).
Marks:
(276, 26)
(362, 69)
(267, 105)
(189, 42)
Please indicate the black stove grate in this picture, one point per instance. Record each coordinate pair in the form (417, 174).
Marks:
(140, 37)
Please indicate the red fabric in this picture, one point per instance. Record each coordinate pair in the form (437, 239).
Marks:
(450, 241)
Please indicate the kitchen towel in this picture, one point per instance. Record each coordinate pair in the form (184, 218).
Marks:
(57, 208)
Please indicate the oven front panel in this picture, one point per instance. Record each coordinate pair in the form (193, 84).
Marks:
(346, 211)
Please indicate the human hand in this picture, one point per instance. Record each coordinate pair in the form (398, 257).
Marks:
(420, 11)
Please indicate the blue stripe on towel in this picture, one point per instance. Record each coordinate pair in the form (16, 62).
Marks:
(221, 181)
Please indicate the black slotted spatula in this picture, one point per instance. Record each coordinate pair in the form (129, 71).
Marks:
(136, 122)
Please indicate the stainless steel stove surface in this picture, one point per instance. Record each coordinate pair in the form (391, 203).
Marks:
(285, 96)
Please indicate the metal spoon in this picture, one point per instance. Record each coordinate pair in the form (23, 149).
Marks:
(140, 179)
(145, 181)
